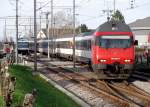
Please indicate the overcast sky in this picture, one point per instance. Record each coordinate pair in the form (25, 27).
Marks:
(88, 12)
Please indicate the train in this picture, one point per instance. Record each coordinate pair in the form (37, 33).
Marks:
(25, 46)
(113, 48)
(109, 50)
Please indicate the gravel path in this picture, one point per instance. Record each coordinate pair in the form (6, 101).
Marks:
(143, 85)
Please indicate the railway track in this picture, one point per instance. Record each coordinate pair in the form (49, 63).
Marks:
(91, 91)
(141, 75)
(132, 93)
(94, 91)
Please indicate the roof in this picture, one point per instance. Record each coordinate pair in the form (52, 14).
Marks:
(141, 23)
(86, 33)
(108, 26)
(57, 33)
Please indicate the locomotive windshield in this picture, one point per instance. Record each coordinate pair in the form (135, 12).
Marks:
(23, 44)
(113, 41)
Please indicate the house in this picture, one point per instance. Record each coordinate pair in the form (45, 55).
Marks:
(57, 33)
(141, 30)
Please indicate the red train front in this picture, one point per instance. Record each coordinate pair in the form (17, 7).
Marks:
(113, 49)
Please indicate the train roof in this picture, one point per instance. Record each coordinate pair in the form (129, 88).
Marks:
(65, 39)
(25, 40)
(81, 36)
(89, 37)
(43, 40)
(113, 26)
(86, 33)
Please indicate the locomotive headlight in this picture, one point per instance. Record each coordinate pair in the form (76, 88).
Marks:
(102, 60)
(127, 60)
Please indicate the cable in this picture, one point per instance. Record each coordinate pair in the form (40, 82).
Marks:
(92, 18)
(142, 5)
(83, 1)
(138, 6)
(43, 6)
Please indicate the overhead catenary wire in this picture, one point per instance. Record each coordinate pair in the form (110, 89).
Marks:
(92, 18)
(43, 6)
(135, 7)
(84, 1)
(144, 4)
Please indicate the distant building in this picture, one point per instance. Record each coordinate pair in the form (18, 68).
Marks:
(42, 34)
(141, 29)
(57, 33)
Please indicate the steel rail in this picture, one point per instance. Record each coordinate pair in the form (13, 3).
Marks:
(83, 83)
(118, 94)
(137, 89)
(132, 93)
(142, 73)
(141, 77)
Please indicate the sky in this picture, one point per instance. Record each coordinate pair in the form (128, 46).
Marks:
(89, 12)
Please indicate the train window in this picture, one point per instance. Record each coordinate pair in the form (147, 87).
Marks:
(45, 44)
(58, 44)
(39, 45)
(64, 44)
(114, 41)
(83, 45)
(78, 44)
(23, 45)
(89, 45)
(51, 44)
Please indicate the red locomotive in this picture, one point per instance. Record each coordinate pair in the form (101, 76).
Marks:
(113, 49)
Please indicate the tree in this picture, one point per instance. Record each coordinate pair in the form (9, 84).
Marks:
(117, 16)
(82, 28)
(62, 19)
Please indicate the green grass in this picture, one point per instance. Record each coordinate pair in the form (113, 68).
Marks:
(1, 102)
(48, 96)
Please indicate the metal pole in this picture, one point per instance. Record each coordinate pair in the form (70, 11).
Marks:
(52, 26)
(40, 22)
(54, 36)
(35, 39)
(30, 29)
(114, 6)
(5, 28)
(74, 60)
(47, 32)
(108, 16)
(16, 31)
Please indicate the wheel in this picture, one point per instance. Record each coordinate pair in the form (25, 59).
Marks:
(99, 71)
(90, 66)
